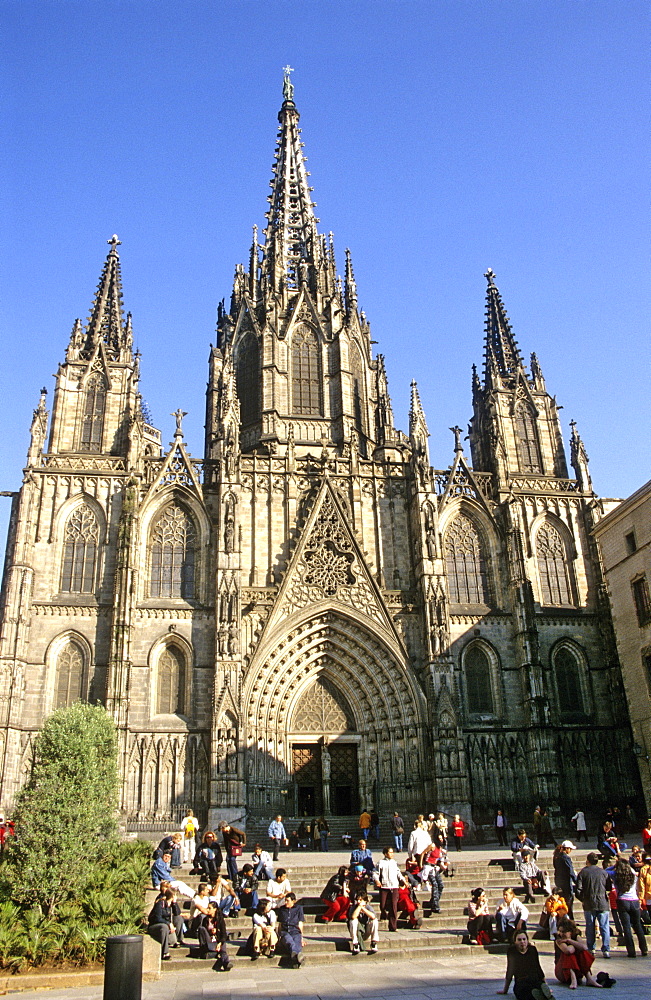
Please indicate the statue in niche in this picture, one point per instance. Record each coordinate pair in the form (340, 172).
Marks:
(231, 759)
(325, 763)
(430, 533)
(229, 457)
(400, 766)
(229, 528)
(222, 638)
(232, 638)
(386, 766)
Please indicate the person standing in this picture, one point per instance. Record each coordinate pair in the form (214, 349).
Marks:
(365, 824)
(581, 827)
(324, 832)
(592, 887)
(398, 827)
(546, 833)
(500, 828)
(628, 906)
(458, 828)
(234, 842)
(276, 833)
(564, 874)
(189, 829)
(389, 878)
(375, 826)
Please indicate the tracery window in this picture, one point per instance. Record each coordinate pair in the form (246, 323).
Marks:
(247, 376)
(69, 675)
(567, 671)
(173, 542)
(359, 399)
(80, 552)
(479, 689)
(170, 695)
(92, 425)
(466, 565)
(306, 373)
(552, 568)
(527, 437)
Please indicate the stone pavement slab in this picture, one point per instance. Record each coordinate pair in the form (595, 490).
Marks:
(363, 979)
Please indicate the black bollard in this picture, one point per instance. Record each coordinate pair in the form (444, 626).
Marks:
(123, 967)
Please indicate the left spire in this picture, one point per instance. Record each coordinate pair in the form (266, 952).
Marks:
(105, 324)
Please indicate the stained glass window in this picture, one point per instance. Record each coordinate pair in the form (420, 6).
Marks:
(247, 376)
(479, 689)
(306, 373)
(70, 675)
(466, 565)
(554, 582)
(171, 682)
(80, 552)
(528, 449)
(568, 681)
(172, 555)
(93, 416)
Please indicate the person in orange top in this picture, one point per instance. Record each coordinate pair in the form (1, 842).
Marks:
(458, 828)
(365, 823)
(555, 908)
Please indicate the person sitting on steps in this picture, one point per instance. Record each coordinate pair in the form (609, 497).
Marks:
(363, 923)
(213, 936)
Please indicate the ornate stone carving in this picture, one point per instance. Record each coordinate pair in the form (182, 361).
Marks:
(322, 709)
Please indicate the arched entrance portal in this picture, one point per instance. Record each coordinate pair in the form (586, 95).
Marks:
(335, 719)
(324, 761)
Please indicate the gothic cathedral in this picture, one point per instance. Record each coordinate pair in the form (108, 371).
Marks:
(311, 618)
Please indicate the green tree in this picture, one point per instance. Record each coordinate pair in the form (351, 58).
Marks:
(66, 814)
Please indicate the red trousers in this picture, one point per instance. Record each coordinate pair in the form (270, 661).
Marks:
(406, 905)
(580, 961)
(337, 909)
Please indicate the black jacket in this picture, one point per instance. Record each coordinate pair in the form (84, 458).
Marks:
(592, 885)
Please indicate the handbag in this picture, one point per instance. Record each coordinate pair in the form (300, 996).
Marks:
(236, 851)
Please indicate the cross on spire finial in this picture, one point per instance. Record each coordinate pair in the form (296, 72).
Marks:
(490, 276)
(457, 438)
(114, 243)
(288, 86)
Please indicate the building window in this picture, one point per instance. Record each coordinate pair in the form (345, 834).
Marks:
(640, 589)
(173, 543)
(306, 373)
(170, 696)
(80, 552)
(70, 675)
(479, 690)
(247, 375)
(92, 426)
(631, 544)
(552, 568)
(467, 577)
(527, 437)
(359, 399)
(567, 671)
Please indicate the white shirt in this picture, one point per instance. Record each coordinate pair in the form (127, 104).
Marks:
(264, 919)
(389, 874)
(579, 817)
(419, 839)
(276, 889)
(263, 857)
(514, 912)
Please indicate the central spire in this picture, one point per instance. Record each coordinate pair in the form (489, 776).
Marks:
(292, 246)
(503, 357)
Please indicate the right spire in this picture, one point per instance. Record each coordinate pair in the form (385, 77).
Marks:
(502, 355)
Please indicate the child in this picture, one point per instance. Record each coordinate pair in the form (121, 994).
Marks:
(554, 909)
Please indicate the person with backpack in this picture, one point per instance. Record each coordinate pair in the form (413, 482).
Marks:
(189, 830)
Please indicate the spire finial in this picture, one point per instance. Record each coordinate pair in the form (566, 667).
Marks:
(490, 276)
(457, 438)
(179, 414)
(114, 243)
(288, 86)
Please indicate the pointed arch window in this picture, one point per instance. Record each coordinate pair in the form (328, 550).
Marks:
(92, 426)
(69, 675)
(466, 563)
(247, 377)
(306, 373)
(527, 437)
(479, 688)
(359, 396)
(80, 547)
(552, 567)
(567, 671)
(170, 694)
(173, 543)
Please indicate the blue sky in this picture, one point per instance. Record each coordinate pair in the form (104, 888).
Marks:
(443, 138)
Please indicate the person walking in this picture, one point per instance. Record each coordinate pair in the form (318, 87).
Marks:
(276, 833)
(581, 827)
(398, 828)
(592, 887)
(189, 829)
(365, 824)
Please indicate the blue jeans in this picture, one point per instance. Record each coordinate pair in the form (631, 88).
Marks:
(227, 904)
(324, 840)
(249, 900)
(176, 857)
(503, 926)
(397, 840)
(364, 834)
(592, 918)
(629, 914)
(261, 871)
(231, 866)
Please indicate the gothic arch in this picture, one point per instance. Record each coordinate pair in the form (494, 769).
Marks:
(247, 377)
(171, 661)
(94, 389)
(570, 676)
(553, 546)
(64, 517)
(187, 501)
(481, 679)
(526, 436)
(358, 389)
(470, 555)
(68, 662)
(306, 372)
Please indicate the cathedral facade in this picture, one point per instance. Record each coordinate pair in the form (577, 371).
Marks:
(311, 618)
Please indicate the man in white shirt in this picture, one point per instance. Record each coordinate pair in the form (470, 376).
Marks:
(419, 841)
(389, 878)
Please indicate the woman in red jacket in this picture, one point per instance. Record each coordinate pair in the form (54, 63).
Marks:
(458, 827)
